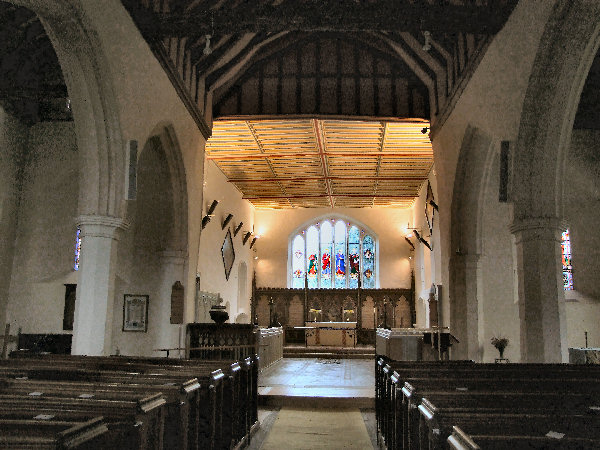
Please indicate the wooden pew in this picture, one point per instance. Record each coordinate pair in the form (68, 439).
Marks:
(53, 434)
(133, 423)
(439, 424)
(438, 405)
(202, 417)
(243, 400)
(181, 424)
(415, 388)
(235, 410)
(459, 440)
(393, 410)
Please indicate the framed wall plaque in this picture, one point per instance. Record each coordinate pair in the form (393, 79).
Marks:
(135, 313)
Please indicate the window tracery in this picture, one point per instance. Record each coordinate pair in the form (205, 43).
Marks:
(333, 254)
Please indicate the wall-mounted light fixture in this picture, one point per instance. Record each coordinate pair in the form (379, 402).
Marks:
(238, 228)
(252, 242)
(409, 242)
(246, 237)
(434, 204)
(226, 221)
(209, 213)
(423, 241)
(427, 45)
(211, 208)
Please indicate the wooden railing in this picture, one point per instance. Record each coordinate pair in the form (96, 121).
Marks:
(270, 346)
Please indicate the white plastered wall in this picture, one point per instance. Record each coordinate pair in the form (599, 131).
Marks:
(582, 216)
(276, 227)
(211, 269)
(13, 139)
(45, 231)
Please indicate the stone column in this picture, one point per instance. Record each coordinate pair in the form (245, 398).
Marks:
(466, 306)
(541, 295)
(92, 329)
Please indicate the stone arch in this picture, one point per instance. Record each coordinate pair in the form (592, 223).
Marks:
(567, 49)
(164, 135)
(93, 101)
(570, 41)
(466, 241)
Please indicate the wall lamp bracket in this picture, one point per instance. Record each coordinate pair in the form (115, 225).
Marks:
(226, 221)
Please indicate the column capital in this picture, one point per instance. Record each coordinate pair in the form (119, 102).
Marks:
(173, 256)
(538, 228)
(101, 226)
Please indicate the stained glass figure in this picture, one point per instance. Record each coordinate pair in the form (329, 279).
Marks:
(368, 281)
(298, 262)
(566, 261)
(340, 254)
(77, 249)
(326, 245)
(312, 252)
(353, 256)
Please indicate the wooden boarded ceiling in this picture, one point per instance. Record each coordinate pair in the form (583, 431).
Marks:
(316, 162)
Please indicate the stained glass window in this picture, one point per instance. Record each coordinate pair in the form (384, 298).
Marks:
(354, 256)
(298, 262)
(326, 246)
(312, 256)
(567, 268)
(368, 262)
(333, 254)
(340, 254)
(77, 249)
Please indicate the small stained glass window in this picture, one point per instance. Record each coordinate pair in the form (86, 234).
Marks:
(77, 249)
(567, 268)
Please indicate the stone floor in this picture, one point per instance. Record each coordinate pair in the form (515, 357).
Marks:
(320, 378)
(337, 391)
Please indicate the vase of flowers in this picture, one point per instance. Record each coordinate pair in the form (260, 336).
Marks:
(500, 343)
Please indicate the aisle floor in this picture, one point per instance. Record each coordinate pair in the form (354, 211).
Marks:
(311, 377)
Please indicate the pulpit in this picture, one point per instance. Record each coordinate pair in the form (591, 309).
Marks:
(333, 334)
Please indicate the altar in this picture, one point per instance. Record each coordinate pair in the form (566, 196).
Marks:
(333, 334)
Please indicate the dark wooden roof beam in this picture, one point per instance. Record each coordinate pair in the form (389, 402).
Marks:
(316, 15)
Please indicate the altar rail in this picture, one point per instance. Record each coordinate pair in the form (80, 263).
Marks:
(369, 308)
(270, 346)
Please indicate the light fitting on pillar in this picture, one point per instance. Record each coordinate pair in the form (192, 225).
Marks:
(253, 242)
(246, 237)
(427, 45)
(209, 213)
(207, 51)
(423, 241)
(205, 221)
(238, 228)
(409, 242)
(226, 221)
(212, 207)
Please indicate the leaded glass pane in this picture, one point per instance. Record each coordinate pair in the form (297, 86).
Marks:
(340, 254)
(566, 261)
(312, 256)
(368, 263)
(326, 245)
(298, 262)
(77, 249)
(354, 256)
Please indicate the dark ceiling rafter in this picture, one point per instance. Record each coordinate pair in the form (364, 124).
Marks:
(317, 15)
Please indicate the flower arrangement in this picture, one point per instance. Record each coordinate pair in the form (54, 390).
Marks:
(500, 343)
